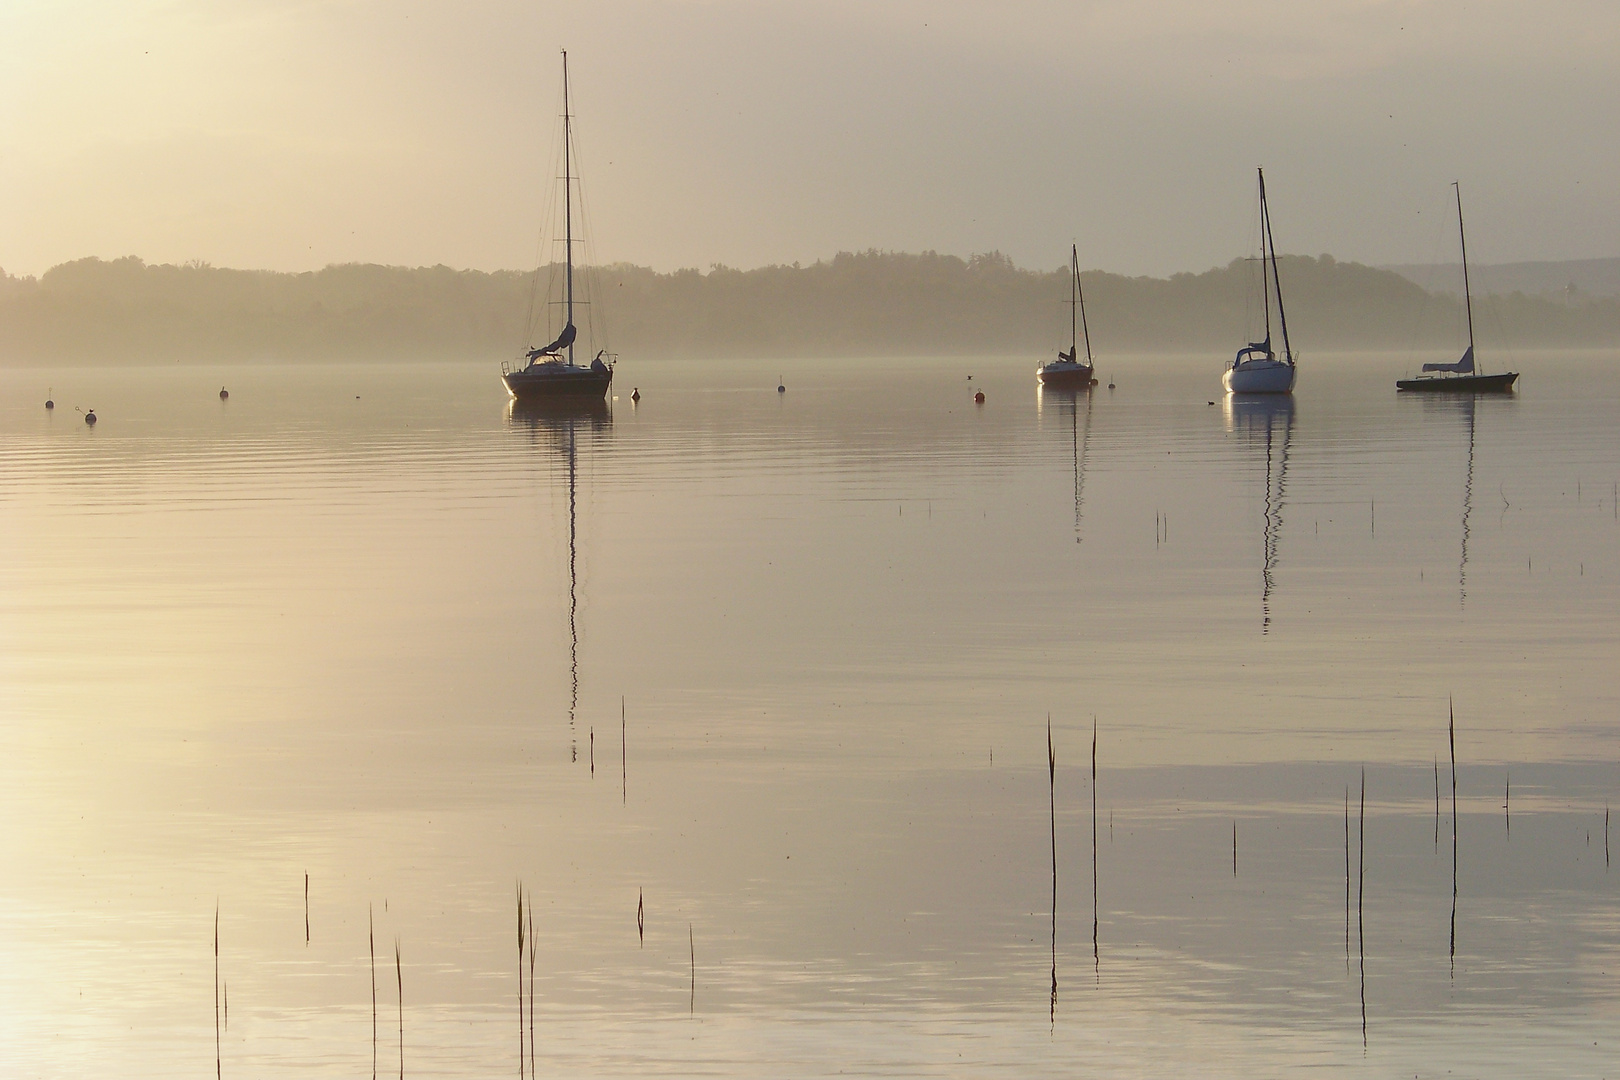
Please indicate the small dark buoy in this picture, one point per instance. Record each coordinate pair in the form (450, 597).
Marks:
(978, 398)
(223, 393)
(781, 387)
(49, 404)
(90, 417)
(1110, 384)
(635, 395)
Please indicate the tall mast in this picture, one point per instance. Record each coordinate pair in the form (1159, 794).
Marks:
(568, 204)
(1282, 316)
(1468, 301)
(1074, 301)
(1080, 302)
(1265, 282)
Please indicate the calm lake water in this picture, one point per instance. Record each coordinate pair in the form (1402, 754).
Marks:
(780, 667)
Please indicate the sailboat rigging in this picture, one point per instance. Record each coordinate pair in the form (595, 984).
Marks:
(1460, 377)
(549, 372)
(1067, 371)
(1257, 369)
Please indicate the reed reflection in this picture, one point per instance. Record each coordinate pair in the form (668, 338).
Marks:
(1267, 419)
(558, 425)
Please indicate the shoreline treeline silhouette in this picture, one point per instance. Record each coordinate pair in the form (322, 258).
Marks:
(866, 303)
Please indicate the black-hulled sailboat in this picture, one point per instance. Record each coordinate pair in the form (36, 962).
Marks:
(1461, 377)
(1067, 371)
(549, 372)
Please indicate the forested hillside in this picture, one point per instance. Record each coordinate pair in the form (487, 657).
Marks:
(854, 304)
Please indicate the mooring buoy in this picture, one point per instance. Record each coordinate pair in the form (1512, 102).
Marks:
(223, 393)
(635, 395)
(90, 417)
(978, 398)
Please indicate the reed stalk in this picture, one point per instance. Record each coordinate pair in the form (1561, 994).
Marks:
(1096, 954)
(520, 944)
(1051, 789)
(218, 1066)
(399, 977)
(534, 946)
(371, 943)
(1361, 891)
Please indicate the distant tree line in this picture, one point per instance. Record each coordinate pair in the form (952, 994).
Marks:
(866, 303)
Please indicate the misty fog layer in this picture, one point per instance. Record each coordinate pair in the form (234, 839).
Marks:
(870, 303)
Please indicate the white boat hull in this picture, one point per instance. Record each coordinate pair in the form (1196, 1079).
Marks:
(1259, 377)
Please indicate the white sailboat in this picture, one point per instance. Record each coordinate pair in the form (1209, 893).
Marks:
(1257, 369)
(549, 373)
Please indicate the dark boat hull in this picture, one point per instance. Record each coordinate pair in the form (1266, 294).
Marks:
(1460, 384)
(528, 386)
(1065, 378)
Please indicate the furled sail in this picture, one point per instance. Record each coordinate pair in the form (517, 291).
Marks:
(565, 339)
(1463, 366)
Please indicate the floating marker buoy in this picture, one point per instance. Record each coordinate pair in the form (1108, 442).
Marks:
(635, 395)
(1110, 384)
(781, 387)
(90, 417)
(49, 404)
(223, 393)
(978, 398)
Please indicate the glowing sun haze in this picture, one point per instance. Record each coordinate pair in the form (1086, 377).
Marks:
(288, 135)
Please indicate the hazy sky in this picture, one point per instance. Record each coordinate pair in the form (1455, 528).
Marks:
(290, 134)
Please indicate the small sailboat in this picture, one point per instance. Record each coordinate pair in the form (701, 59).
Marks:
(1257, 369)
(1460, 378)
(1067, 371)
(549, 371)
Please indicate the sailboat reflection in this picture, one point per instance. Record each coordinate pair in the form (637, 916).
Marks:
(1068, 404)
(1464, 406)
(1266, 418)
(561, 422)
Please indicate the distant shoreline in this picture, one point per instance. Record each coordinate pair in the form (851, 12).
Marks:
(856, 304)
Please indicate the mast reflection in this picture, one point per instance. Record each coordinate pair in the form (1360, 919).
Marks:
(1068, 405)
(1267, 418)
(1465, 407)
(558, 424)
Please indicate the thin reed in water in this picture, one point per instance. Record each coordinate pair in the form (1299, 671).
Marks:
(1234, 849)
(641, 920)
(624, 768)
(1361, 890)
(371, 943)
(218, 1067)
(306, 907)
(533, 949)
(399, 977)
(520, 945)
(1051, 789)
(691, 947)
(1096, 954)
